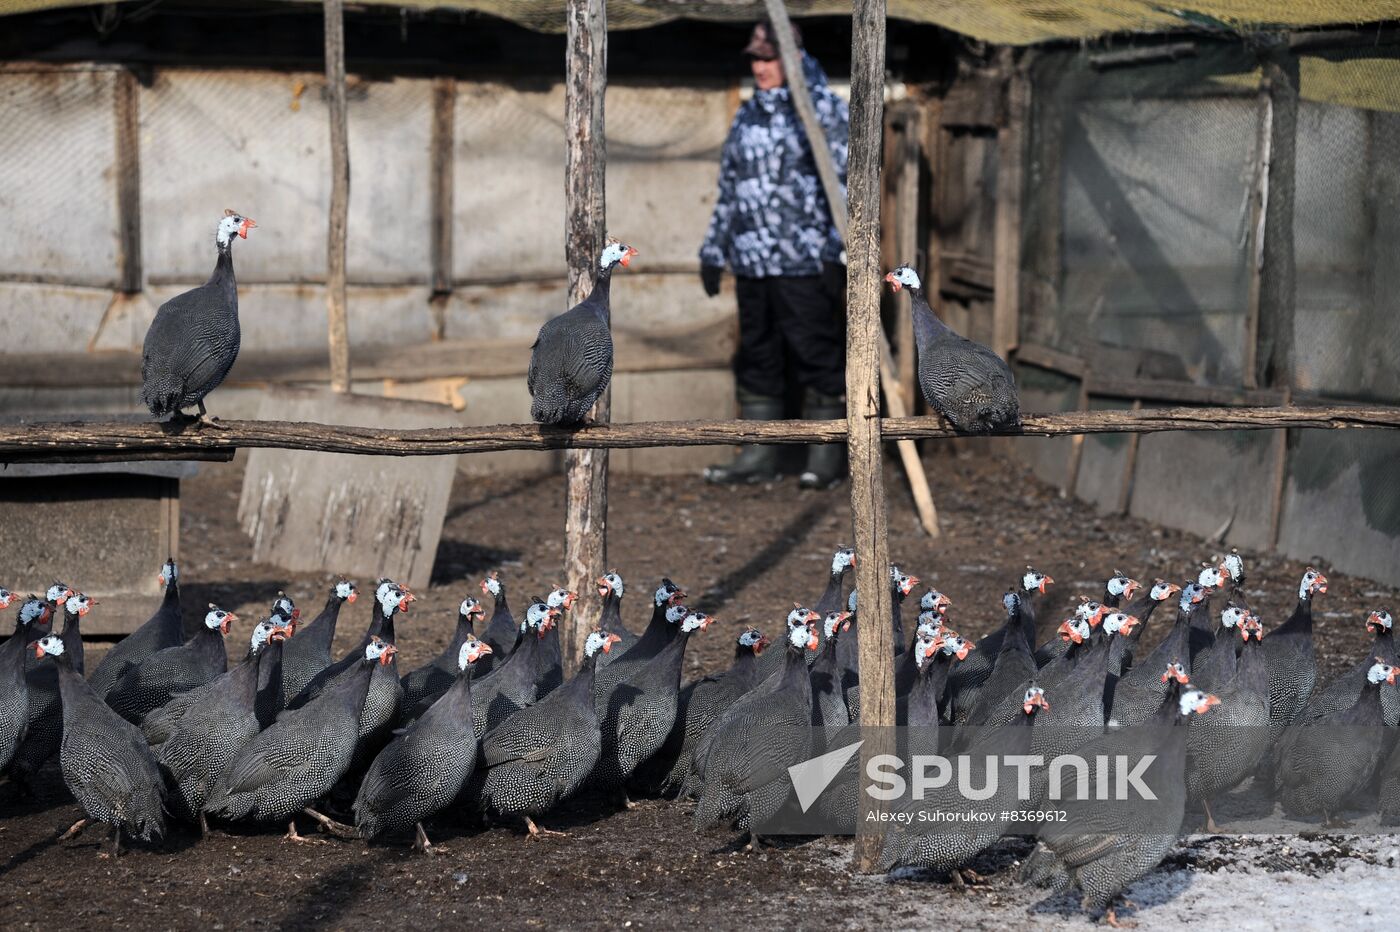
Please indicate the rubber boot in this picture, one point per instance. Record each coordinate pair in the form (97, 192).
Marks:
(755, 463)
(826, 463)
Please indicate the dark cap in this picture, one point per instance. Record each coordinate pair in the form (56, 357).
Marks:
(763, 42)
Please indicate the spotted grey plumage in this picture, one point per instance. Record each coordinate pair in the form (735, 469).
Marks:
(163, 629)
(309, 652)
(434, 678)
(194, 339)
(44, 735)
(14, 687)
(151, 683)
(571, 360)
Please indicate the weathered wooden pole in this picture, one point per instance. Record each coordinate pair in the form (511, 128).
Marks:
(339, 333)
(863, 344)
(585, 206)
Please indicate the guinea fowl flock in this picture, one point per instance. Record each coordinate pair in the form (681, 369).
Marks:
(163, 729)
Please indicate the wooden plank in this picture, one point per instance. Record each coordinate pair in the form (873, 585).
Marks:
(1011, 161)
(585, 202)
(1179, 392)
(1274, 360)
(128, 168)
(1076, 443)
(864, 341)
(1125, 488)
(440, 167)
(338, 331)
(1050, 359)
(130, 440)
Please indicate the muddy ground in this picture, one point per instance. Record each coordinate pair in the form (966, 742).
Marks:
(743, 555)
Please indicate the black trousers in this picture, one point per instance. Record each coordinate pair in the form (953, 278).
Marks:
(790, 324)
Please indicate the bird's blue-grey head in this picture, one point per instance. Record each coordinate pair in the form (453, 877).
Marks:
(833, 623)
(380, 650)
(695, 621)
(283, 605)
(79, 604)
(930, 624)
(1234, 566)
(611, 584)
(599, 641)
(50, 646)
(675, 614)
(219, 620)
(801, 616)
(1232, 616)
(395, 599)
(6, 597)
(470, 608)
(539, 617)
(1195, 702)
(1211, 576)
(751, 638)
(1116, 623)
(472, 650)
(58, 593)
(261, 632)
(1380, 622)
(561, 598)
(1381, 672)
(935, 601)
(851, 602)
(901, 582)
(1011, 602)
(169, 573)
(491, 585)
(1312, 582)
(1192, 594)
(382, 587)
(903, 277)
(1124, 587)
(232, 224)
(1033, 581)
(345, 591)
(841, 559)
(668, 593)
(925, 647)
(615, 254)
(34, 612)
(1163, 590)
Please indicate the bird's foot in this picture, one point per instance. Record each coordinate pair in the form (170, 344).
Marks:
(294, 836)
(421, 842)
(536, 832)
(1336, 821)
(74, 830)
(959, 883)
(338, 829)
(203, 825)
(626, 801)
(1110, 917)
(970, 875)
(209, 420)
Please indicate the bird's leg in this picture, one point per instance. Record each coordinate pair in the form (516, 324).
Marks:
(958, 882)
(74, 830)
(116, 841)
(421, 842)
(1110, 917)
(970, 875)
(1211, 827)
(625, 800)
(339, 829)
(536, 832)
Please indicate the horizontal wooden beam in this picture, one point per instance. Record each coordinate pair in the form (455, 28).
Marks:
(1159, 390)
(35, 442)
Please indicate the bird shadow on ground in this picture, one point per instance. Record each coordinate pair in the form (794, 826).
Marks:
(779, 546)
(1153, 890)
(20, 858)
(457, 560)
(324, 902)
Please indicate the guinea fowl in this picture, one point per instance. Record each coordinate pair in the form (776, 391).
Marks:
(1137, 696)
(743, 770)
(194, 339)
(14, 687)
(847, 654)
(436, 676)
(572, 358)
(1120, 658)
(197, 735)
(701, 702)
(310, 651)
(772, 663)
(971, 674)
(1342, 691)
(828, 695)
(386, 592)
(272, 688)
(1202, 638)
(150, 684)
(502, 633)
(515, 684)
(659, 632)
(964, 381)
(906, 669)
(299, 757)
(641, 709)
(1291, 657)
(1325, 766)
(1102, 850)
(901, 584)
(1224, 748)
(542, 754)
(1215, 665)
(1013, 667)
(552, 669)
(834, 596)
(1118, 589)
(44, 735)
(1061, 653)
(949, 848)
(612, 588)
(424, 767)
(106, 764)
(162, 630)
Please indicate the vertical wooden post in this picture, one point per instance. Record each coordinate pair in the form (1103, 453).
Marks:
(1011, 146)
(906, 237)
(863, 344)
(440, 234)
(1258, 206)
(340, 197)
(1125, 488)
(586, 80)
(128, 119)
(1274, 360)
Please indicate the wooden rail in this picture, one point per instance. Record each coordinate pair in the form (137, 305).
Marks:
(113, 440)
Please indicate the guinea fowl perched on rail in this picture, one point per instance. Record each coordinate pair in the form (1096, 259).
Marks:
(150, 684)
(964, 381)
(310, 651)
(163, 629)
(423, 768)
(571, 361)
(193, 341)
(106, 764)
(299, 757)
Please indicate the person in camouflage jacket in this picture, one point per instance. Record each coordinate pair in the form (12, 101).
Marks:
(772, 227)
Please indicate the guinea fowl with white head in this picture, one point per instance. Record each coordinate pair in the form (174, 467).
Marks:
(310, 651)
(163, 629)
(193, 341)
(571, 361)
(964, 381)
(45, 732)
(14, 687)
(150, 684)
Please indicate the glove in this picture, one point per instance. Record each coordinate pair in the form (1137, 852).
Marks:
(709, 277)
(834, 281)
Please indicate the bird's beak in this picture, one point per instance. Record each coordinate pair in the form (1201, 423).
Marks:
(676, 598)
(1128, 625)
(38, 650)
(245, 226)
(388, 655)
(228, 621)
(352, 597)
(1045, 582)
(570, 599)
(894, 282)
(626, 259)
(1131, 589)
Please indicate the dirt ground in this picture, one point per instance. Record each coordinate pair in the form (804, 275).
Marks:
(743, 555)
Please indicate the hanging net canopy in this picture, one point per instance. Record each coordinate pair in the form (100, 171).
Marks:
(1012, 22)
